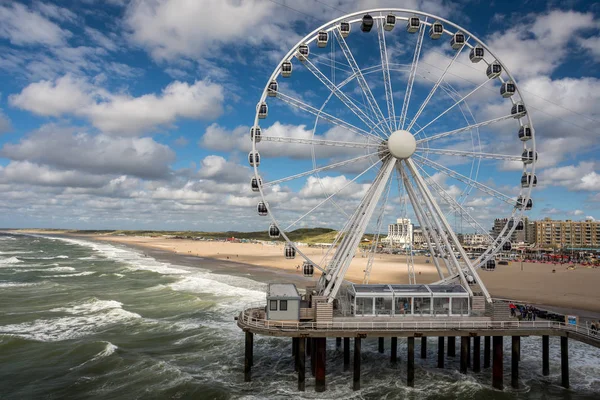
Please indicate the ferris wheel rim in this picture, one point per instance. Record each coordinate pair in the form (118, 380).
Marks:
(332, 25)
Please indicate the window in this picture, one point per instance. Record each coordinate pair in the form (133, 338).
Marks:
(364, 306)
(283, 305)
(273, 305)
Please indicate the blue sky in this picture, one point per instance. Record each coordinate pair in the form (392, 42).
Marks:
(136, 114)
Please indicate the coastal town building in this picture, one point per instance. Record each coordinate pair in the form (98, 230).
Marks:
(400, 234)
(525, 235)
(567, 234)
(475, 239)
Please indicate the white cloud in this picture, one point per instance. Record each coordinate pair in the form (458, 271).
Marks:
(35, 174)
(23, 26)
(591, 44)
(581, 177)
(66, 148)
(121, 114)
(5, 124)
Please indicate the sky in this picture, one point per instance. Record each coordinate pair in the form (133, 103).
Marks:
(118, 114)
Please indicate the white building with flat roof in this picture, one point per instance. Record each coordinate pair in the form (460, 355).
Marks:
(400, 234)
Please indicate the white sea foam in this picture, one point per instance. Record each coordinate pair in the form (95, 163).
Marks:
(16, 284)
(17, 252)
(45, 258)
(83, 319)
(10, 261)
(85, 273)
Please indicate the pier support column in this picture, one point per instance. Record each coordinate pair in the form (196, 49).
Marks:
(346, 353)
(410, 362)
(497, 369)
(477, 354)
(516, 350)
(424, 347)
(356, 377)
(440, 362)
(301, 363)
(545, 355)
(248, 357)
(564, 361)
(394, 350)
(486, 352)
(309, 347)
(295, 352)
(313, 355)
(338, 342)
(321, 359)
(451, 346)
(381, 345)
(464, 353)
(469, 352)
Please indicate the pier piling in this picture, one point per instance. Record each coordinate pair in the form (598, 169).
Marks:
(338, 342)
(424, 347)
(545, 355)
(451, 346)
(564, 361)
(410, 363)
(477, 354)
(497, 369)
(381, 345)
(440, 362)
(468, 352)
(301, 364)
(313, 356)
(394, 350)
(515, 358)
(346, 353)
(295, 352)
(464, 353)
(486, 351)
(356, 377)
(320, 362)
(248, 357)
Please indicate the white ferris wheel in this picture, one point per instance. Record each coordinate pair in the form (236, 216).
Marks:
(387, 100)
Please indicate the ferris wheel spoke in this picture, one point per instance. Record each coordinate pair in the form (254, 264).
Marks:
(317, 142)
(454, 105)
(377, 234)
(331, 196)
(321, 114)
(424, 222)
(343, 97)
(465, 179)
(326, 167)
(456, 206)
(387, 81)
(464, 129)
(331, 63)
(374, 106)
(471, 154)
(412, 75)
(435, 87)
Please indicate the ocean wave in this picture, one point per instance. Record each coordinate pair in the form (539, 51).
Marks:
(45, 258)
(84, 319)
(10, 261)
(108, 350)
(16, 284)
(18, 252)
(86, 273)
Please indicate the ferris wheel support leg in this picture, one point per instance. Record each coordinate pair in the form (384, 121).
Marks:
(462, 252)
(344, 255)
(439, 220)
(423, 222)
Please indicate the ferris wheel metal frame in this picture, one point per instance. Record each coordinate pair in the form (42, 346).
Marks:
(412, 177)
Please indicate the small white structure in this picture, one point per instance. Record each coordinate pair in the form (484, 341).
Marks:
(400, 234)
(283, 302)
(409, 300)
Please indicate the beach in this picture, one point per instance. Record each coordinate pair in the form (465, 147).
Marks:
(525, 282)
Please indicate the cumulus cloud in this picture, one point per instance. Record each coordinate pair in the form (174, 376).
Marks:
(35, 174)
(66, 148)
(121, 114)
(5, 124)
(581, 177)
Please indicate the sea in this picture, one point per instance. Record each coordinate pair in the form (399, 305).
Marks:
(90, 320)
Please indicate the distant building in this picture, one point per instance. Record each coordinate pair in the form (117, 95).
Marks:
(400, 234)
(557, 234)
(476, 240)
(419, 240)
(526, 235)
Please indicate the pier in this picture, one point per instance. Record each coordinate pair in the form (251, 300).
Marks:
(309, 340)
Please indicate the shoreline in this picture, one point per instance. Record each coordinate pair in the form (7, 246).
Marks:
(564, 291)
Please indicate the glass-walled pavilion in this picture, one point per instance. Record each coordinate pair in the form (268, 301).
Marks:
(409, 300)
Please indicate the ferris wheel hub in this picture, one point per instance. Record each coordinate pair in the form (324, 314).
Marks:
(402, 144)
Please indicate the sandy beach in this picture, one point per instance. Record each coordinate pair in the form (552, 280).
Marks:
(534, 283)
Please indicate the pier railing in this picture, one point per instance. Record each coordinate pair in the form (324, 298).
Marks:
(253, 316)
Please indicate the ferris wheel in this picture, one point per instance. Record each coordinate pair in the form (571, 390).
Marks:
(391, 113)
